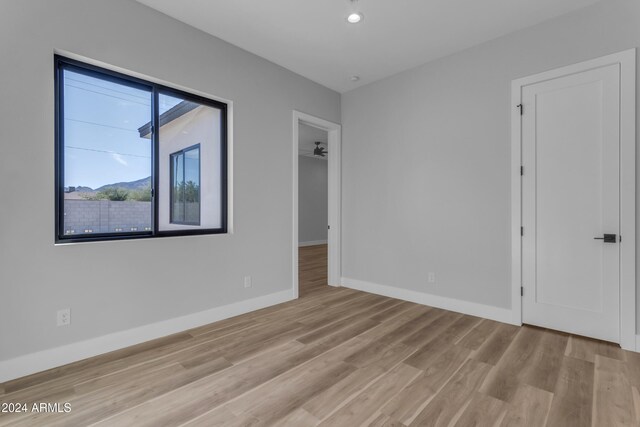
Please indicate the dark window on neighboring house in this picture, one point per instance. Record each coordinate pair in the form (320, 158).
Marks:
(135, 158)
(185, 186)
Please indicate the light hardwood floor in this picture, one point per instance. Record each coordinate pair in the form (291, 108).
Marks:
(339, 357)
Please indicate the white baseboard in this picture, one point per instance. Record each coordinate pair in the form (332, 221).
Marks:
(312, 243)
(637, 344)
(55, 357)
(503, 315)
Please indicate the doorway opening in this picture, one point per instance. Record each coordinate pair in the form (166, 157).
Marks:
(316, 204)
(313, 208)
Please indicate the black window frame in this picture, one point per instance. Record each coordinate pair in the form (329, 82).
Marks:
(184, 152)
(60, 64)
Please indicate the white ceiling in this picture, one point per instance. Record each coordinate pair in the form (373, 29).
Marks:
(312, 38)
(307, 137)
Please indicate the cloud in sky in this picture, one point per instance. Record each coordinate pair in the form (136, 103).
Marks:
(118, 158)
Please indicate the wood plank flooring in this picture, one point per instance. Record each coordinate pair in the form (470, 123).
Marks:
(339, 357)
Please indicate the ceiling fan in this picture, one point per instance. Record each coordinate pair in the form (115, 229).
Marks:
(319, 151)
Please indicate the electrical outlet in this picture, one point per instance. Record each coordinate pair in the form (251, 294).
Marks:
(431, 278)
(247, 281)
(64, 317)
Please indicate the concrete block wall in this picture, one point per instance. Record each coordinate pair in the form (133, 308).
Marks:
(105, 216)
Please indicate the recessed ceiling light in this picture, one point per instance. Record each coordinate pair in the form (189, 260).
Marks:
(355, 17)
(355, 78)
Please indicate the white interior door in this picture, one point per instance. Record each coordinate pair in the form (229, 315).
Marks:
(570, 200)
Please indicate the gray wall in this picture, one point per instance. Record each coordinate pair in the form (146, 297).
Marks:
(312, 199)
(428, 151)
(147, 283)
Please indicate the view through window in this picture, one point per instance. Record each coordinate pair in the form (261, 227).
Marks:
(136, 158)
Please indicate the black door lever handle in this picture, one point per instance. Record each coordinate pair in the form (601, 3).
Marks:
(608, 238)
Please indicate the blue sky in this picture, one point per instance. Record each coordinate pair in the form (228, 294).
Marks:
(102, 143)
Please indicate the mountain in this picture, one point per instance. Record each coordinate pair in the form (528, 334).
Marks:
(132, 185)
(140, 184)
(83, 189)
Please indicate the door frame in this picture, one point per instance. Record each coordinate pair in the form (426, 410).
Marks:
(627, 61)
(334, 234)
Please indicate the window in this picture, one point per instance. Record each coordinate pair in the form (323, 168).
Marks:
(136, 159)
(185, 186)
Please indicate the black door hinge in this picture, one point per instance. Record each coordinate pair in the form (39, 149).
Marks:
(522, 231)
(521, 107)
(328, 227)
(521, 170)
(521, 291)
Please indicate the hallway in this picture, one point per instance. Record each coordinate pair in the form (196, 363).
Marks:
(312, 269)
